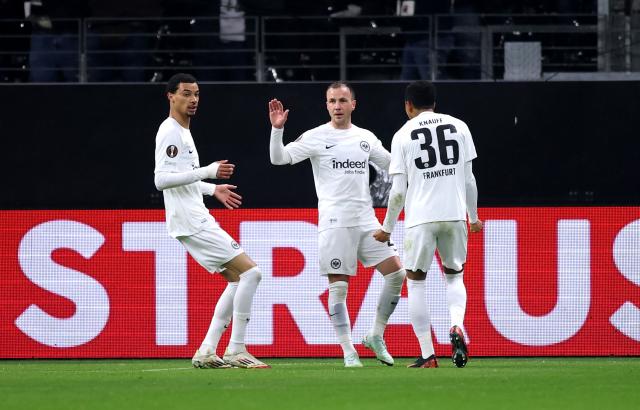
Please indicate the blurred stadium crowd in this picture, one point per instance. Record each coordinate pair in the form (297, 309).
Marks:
(121, 40)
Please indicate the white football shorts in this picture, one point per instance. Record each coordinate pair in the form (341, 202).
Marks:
(340, 249)
(448, 237)
(212, 247)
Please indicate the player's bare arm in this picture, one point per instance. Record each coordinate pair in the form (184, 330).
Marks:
(227, 197)
(277, 114)
(219, 170)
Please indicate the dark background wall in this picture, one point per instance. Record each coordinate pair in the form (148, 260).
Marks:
(92, 146)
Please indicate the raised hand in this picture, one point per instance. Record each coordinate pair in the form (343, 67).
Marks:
(225, 170)
(227, 197)
(277, 114)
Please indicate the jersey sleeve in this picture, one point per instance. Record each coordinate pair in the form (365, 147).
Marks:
(469, 147)
(168, 145)
(302, 148)
(379, 155)
(397, 165)
(207, 188)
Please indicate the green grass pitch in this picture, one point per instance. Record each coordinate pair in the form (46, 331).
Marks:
(304, 384)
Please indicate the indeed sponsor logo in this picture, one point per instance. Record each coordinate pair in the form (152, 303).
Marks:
(348, 164)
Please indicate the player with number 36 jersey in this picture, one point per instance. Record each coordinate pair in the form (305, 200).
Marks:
(432, 149)
(433, 180)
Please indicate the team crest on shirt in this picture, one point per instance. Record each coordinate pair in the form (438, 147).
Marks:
(172, 151)
(335, 263)
(365, 146)
(235, 245)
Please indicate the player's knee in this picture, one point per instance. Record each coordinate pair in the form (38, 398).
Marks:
(396, 279)
(398, 275)
(252, 274)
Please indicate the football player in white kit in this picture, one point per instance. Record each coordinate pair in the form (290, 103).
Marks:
(340, 152)
(179, 176)
(433, 180)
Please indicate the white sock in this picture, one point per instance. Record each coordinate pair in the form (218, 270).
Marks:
(340, 316)
(387, 301)
(247, 285)
(456, 299)
(419, 315)
(221, 319)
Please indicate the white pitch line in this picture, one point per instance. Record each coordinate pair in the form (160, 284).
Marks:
(166, 370)
(327, 363)
(112, 370)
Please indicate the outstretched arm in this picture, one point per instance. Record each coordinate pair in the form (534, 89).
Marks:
(219, 169)
(278, 117)
(396, 203)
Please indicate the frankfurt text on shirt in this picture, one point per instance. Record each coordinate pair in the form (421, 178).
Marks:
(430, 121)
(439, 173)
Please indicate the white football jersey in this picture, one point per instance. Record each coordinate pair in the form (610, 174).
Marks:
(176, 152)
(340, 162)
(432, 149)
